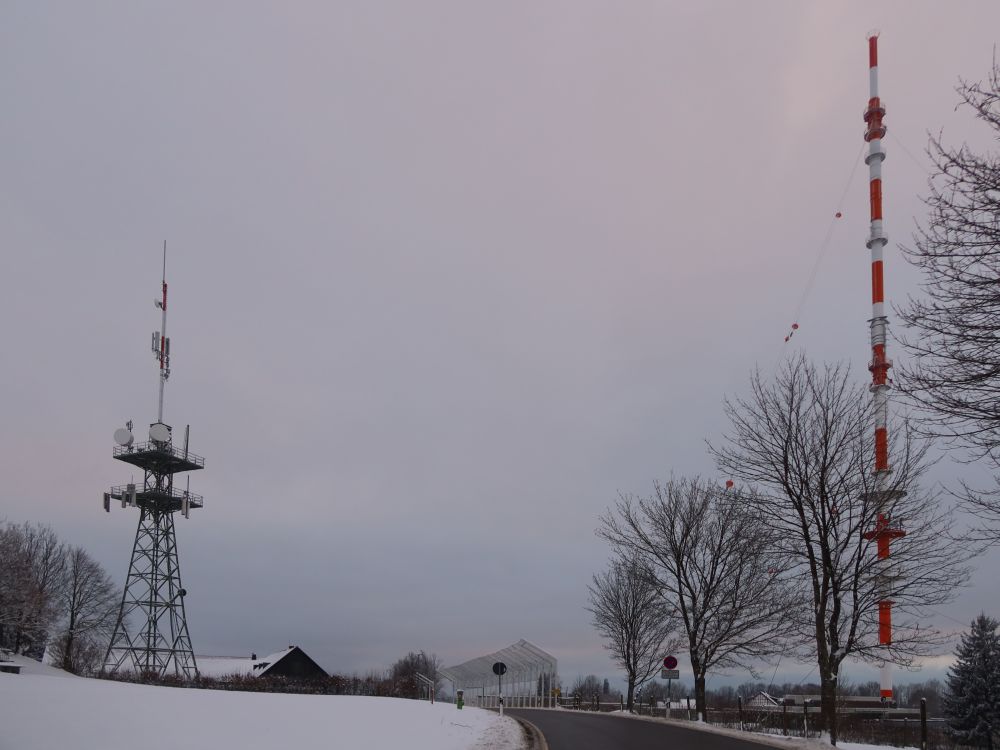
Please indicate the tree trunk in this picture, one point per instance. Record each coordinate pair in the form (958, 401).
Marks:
(631, 694)
(699, 697)
(67, 660)
(828, 695)
(67, 657)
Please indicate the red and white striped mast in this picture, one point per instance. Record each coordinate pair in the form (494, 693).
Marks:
(882, 533)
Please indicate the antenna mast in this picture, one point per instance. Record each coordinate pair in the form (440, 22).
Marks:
(883, 497)
(161, 344)
(151, 633)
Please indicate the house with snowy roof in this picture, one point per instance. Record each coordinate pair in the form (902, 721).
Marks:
(292, 663)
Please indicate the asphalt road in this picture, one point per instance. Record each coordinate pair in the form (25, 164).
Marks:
(580, 730)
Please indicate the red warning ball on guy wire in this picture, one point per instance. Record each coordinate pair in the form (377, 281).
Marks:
(670, 662)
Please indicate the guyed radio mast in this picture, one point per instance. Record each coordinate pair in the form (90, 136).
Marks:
(883, 532)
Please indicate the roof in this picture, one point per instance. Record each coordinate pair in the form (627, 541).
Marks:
(228, 666)
(763, 699)
(522, 659)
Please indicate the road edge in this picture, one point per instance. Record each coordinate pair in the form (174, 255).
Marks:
(789, 742)
(767, 740)
(533, 735)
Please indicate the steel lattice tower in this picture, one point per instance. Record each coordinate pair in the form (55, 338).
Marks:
(151, 633)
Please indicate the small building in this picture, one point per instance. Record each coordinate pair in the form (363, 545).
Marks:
(292, 663)
(763, 700)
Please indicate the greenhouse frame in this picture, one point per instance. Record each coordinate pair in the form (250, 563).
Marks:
(531, 679)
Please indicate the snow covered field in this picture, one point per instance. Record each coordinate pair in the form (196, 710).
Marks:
(44, 708)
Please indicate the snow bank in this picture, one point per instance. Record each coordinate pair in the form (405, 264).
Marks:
(40, 713)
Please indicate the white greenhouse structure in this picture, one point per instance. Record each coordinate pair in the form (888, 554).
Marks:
(531, 678)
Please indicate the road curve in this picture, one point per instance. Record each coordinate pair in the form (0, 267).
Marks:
(582, 730)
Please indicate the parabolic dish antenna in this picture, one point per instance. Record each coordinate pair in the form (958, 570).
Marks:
(124, 437)
(159, 433)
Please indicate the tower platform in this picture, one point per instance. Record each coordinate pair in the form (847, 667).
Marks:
(164, 500)
(159, 458)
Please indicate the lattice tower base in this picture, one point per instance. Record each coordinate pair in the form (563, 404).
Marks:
(151, 634)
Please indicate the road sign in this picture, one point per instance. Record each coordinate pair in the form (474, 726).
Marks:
(670, 674)
(670, 662)
(500, 669)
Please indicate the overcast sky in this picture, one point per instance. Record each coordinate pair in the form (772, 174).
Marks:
(445, 277)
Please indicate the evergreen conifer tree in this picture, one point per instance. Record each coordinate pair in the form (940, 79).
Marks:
(972, 704)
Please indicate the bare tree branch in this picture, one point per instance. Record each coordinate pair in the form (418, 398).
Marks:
(634, 620)
(89, 604)
(953, 375)
(34, 562)
(804, 442)
(715, 568)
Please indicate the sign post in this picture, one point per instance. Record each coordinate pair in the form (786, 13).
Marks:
(499, 669)
(669, 673)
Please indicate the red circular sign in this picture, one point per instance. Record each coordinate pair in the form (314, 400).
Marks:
(670, 662)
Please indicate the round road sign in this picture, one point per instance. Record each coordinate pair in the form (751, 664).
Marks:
(499, 668)
(670, 662)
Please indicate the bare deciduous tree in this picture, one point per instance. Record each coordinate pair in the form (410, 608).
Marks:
(713, 565)
(637, 624)
(954, 370)
(805, 442)
(33, 575)
(14, 583)
(89, 604)
(586, 688)
(404, 672)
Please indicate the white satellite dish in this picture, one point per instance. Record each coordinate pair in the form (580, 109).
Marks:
(124, 437)
(159, 433)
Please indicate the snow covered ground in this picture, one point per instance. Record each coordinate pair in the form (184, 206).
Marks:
(44, 708)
